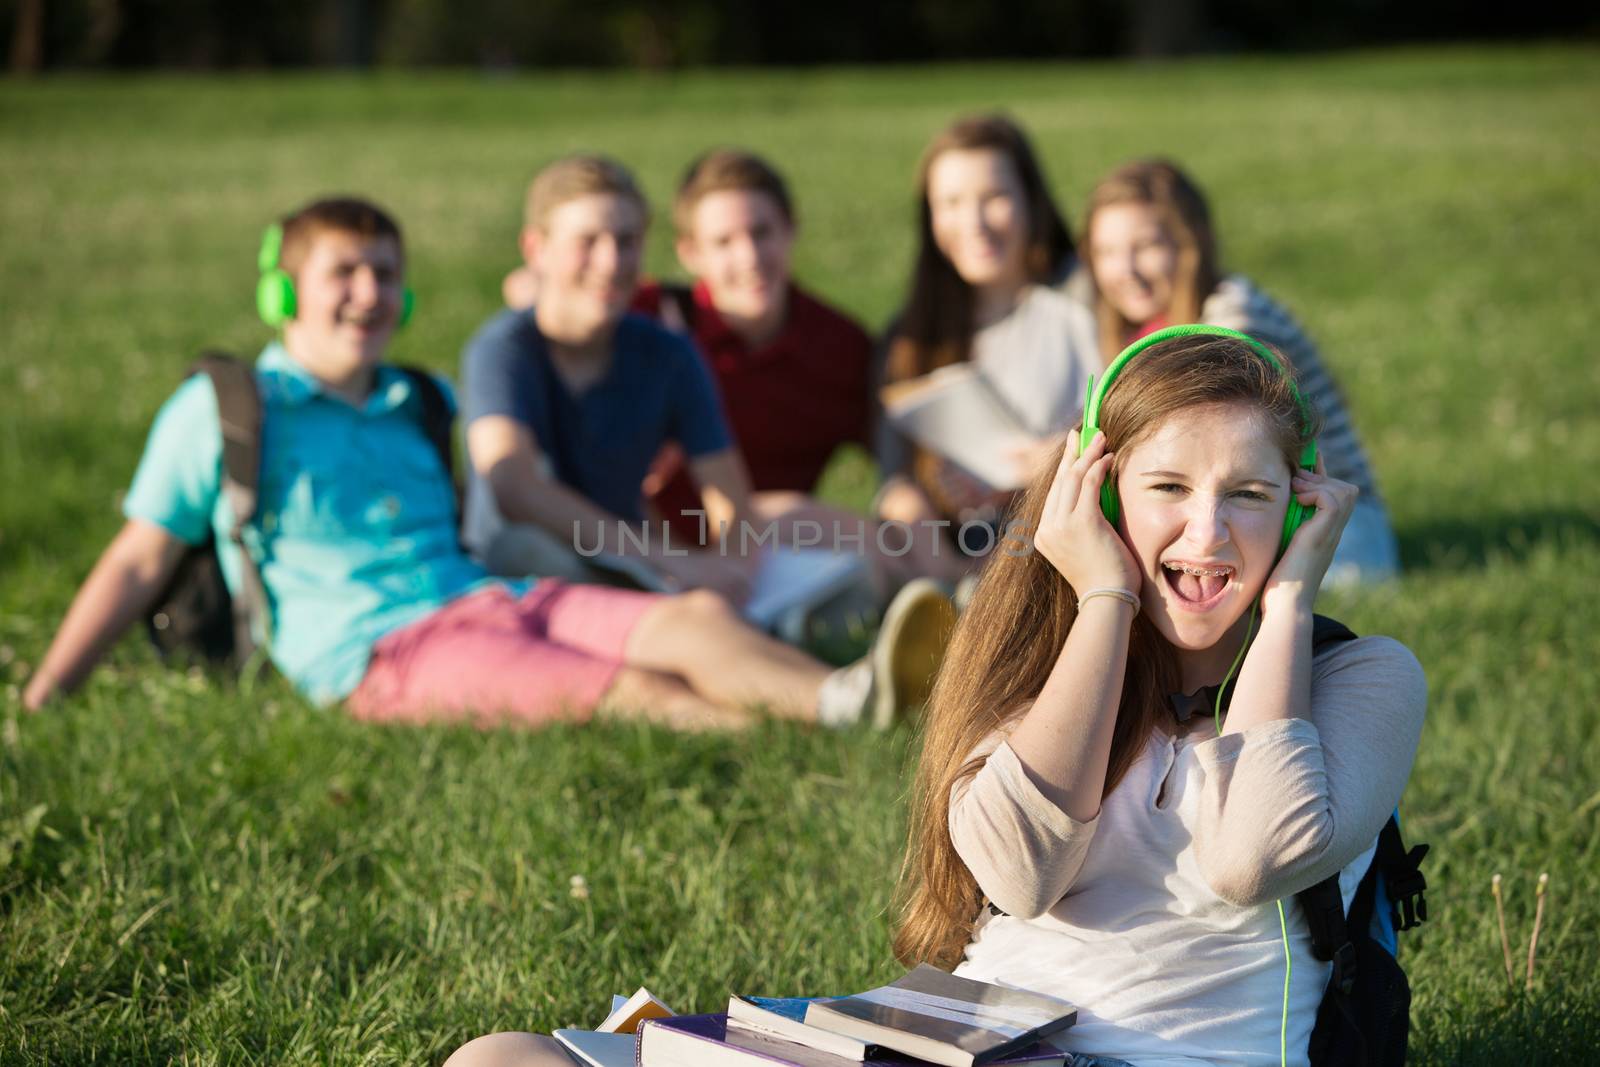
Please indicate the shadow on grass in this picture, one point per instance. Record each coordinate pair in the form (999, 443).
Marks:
(1546, 1028)
(1451, 543)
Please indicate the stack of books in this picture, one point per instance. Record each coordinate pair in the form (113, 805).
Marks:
(926, 1017)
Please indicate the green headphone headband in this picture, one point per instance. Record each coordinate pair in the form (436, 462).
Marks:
(275, 296)
(271, 248)
(1096, 391)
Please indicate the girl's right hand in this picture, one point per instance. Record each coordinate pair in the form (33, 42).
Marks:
(1073, 532)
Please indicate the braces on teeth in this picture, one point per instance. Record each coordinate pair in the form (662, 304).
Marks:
(1199, 572)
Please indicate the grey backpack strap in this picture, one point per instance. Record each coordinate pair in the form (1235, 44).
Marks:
(239, 416)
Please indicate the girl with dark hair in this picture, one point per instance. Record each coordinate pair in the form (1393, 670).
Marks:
(1152, 256)
(991, 243)
(1078, 826)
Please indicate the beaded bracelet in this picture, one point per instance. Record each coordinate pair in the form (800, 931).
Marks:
(1127, 596)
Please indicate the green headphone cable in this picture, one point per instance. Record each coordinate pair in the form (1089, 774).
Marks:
(1249, 632)
(1283, 1023)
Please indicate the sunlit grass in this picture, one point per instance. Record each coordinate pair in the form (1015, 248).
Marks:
(193, 872)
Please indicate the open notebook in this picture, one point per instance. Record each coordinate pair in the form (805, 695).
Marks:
(787, 579)
(955, 412)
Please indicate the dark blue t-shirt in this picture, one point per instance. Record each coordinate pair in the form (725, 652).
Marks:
(602, 441)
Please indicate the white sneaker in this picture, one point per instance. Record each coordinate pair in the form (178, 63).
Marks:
(845, 695)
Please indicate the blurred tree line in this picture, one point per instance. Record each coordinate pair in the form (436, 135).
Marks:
(211, 34)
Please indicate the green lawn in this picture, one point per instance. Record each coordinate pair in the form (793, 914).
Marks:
(197, 873)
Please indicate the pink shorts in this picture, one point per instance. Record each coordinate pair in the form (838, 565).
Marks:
(492, 657)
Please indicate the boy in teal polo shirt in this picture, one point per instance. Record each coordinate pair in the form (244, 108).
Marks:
(371, 599)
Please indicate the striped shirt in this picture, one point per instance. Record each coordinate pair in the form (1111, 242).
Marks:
(1237, 304)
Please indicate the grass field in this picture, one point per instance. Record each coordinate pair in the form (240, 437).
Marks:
(194, 873)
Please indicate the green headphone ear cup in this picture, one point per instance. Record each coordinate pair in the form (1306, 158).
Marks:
(1110, 503)
(275, 301)
(408, 304)
(1298, 513)
(1293, 519)
(1291, 522)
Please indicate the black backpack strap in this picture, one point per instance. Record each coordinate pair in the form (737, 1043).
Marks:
(1402, 877)
(1326, 632)
(1331, 926)
(1323, 904)
(1403, 880)
(1331, 939)
(239, 417)
(1341, 1032)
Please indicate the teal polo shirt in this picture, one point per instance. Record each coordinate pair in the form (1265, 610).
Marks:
(355, 532)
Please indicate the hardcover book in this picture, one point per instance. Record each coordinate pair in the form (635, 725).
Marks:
(709, 1041)
(785, 1017)
(594, 1049)
(944, 1019)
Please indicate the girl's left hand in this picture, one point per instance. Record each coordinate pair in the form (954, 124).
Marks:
(1298, 574)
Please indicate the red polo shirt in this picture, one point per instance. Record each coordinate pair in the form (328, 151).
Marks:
(789, 403)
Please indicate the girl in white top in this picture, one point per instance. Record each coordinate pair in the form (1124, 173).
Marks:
(1069, 833)
(991, 244)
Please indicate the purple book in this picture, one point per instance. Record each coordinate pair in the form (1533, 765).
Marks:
(707, 1041)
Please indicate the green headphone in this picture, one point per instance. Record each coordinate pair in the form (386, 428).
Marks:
(275, 299)
(1095, 394)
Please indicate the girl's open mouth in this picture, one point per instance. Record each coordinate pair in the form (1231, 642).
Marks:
(1198, 586)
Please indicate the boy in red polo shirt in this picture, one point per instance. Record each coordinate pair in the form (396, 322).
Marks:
(794, 373)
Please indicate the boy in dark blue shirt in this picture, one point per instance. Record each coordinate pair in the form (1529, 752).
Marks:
(568, 402)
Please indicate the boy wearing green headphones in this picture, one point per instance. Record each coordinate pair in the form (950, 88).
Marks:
(331, 280)
(369, 597)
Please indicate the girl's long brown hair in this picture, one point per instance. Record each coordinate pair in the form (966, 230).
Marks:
(1010, 636)
(936, 326)
(1181, 206)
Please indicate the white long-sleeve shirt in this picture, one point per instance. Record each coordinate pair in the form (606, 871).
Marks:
(1157, 918)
